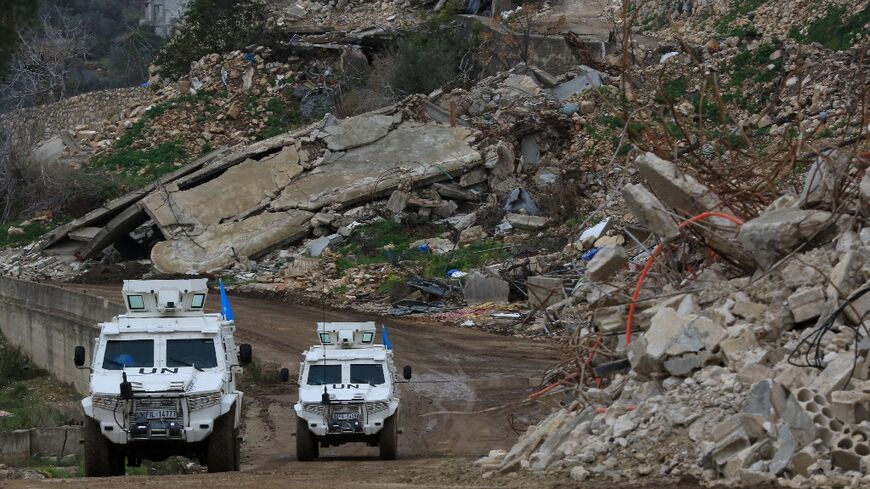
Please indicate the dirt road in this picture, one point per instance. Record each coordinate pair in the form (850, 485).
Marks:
(455, 369)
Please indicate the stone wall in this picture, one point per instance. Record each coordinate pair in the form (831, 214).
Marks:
(21, 445)
(34, 124)
(47, 322)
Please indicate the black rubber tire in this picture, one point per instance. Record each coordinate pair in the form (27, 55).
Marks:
(307, 448)
(388, 439)
(220, 446)
(98, 451)
(118, 462)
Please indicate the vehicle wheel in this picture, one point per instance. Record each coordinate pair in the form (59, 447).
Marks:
(118, 462)
(221, 450)
(99, 461)
(388, 439)
(306, 443)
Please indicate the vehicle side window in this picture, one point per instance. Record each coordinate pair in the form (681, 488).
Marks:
(324, 374)
(197, 352)
(366, 373)
(128, 353)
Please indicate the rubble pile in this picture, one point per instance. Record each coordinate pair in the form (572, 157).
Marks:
(747, 376)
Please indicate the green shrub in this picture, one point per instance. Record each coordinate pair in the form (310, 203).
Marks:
(425, 62)
(212, 26)
(832, 30)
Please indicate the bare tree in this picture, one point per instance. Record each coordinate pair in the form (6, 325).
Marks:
(40, 70)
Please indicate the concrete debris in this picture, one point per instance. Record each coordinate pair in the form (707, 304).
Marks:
(774, 234)
(545, 291)
(606, 263)
(588, 78)
(649, 211)
(529, 223)
(480, 288)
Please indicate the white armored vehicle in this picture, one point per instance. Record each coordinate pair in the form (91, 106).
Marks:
(163, 381)
(347, 392)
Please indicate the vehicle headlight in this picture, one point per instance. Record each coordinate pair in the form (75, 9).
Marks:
(104, 402)
(314, 408)
(203, 401)
(376, 407)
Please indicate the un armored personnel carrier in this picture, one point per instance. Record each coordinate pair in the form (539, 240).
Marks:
(163, 381)
(347, 392)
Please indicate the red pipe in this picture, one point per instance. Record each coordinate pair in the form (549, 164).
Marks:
(652, 258)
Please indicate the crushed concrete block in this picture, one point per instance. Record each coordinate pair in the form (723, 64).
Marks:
(398, 201)
(844, 276)
(530, 223)
(734, 347)
(857, 311)
(649, 211)
(850, 407)
(806, 303)
(835, 374)
(734, 435)
(748, 310)
(545, 291)
(683, 365)
(501, 160)
(766, 399)
(610, 319)
(480, 288)
(672, 335)
(785, 450)
(530, 151)
(474, 234)
(824, 178)
(446, 209)
(317, 246)
(774, 234)
(851, 451)
(607, 262)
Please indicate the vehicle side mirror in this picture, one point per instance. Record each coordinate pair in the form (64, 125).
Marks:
(284, 374)
(406, 372)
(79, 356)
(245, 354)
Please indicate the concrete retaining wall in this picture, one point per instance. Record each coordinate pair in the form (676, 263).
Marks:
(47, 322)
(20, 445)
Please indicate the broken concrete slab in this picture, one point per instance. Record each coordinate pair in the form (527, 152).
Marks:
(671, 335)
(607, 262)
(528, 223)
(412, 153)
(121, 225)
(649, 211)
(806, 303)
(102, 215)
(588, 78)
(218, 246)
(357, 131)
(398, 201)
(480, 288)
(84, 234)
(240, 189)
(774, 234)
(523, 85)
(545, 291)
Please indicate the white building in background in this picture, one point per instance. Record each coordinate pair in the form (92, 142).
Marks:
(164, 15)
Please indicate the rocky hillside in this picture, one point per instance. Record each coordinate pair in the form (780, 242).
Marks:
(685, 221)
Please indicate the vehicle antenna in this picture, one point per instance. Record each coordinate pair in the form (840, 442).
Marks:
(324, 399)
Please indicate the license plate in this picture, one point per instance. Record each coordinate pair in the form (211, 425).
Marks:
(158, 414)
(345, 416)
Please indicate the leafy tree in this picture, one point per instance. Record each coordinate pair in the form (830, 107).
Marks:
(212, 26)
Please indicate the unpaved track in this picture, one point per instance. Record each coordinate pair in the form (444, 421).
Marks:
(455, 369)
